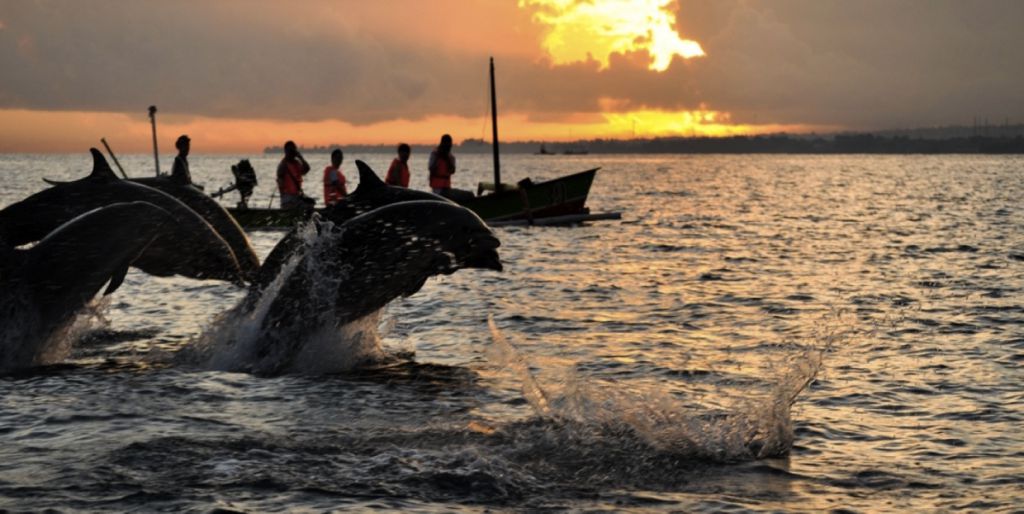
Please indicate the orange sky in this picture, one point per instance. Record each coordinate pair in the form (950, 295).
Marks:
(238, 75)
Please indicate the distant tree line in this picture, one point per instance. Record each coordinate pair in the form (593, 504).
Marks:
(777, 143)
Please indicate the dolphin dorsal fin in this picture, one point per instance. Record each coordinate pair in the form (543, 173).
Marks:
(367, 178)
(100, 168)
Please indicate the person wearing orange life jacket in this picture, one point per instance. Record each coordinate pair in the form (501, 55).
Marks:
(398, 173)
(289, 178)
(334, 179)
(442, 167)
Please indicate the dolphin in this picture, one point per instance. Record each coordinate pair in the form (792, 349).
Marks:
(211, 211)
(43, 287)
(354, 269)
(190, 247)
(371, 194)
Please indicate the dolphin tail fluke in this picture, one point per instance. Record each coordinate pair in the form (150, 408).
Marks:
(367, 177)
(100, 167)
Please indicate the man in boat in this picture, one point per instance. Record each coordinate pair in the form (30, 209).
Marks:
(289, 178)
(334, 179)
(179, 171)
(398, 173)
(442, 167)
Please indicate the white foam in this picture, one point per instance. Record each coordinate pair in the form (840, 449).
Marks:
(237, 340)
(749, 428)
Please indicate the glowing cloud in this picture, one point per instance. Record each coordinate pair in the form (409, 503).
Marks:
(580, 30)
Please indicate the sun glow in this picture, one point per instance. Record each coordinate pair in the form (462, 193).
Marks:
(694, 123)
(581, 30)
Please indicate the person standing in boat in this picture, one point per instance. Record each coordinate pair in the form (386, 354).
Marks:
(289, 178)
(179, 171)
(398, 173)
(334, 179)
(442, 167)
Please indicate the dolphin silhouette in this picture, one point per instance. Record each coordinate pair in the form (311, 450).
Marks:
(354, 269)
(371, 194)
(43, 287)
(211, 211)
(190, 247)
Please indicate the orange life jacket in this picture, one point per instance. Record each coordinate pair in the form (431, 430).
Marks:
(398, 174)
(291, 182)
(333, 192)
(441, 178)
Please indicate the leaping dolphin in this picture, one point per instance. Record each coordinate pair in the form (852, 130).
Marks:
(352, 270)
(371, 194)
(42, 288)
(214, 214)
(190, 247)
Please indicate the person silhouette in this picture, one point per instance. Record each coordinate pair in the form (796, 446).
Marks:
(334, 179)
(289, 178)
(398, 173)
(179, 171)
(442, 167)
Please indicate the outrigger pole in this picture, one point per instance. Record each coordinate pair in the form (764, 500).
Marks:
(494, 132)
(152, 121)
(112, 156)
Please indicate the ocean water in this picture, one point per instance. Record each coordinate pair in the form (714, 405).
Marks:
(758, 333)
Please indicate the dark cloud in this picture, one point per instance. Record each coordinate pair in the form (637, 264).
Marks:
(864, 63)
(867, 63)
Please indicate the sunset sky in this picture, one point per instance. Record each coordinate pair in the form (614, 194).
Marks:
(240, 75)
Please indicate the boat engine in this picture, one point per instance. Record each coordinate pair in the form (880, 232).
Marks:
(245, 182)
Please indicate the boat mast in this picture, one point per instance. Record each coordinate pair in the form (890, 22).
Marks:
(156, 154)
(494, 132)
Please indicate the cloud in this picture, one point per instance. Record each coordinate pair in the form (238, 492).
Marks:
(870, 63)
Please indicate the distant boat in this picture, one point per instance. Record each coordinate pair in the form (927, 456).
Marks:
(544, 151)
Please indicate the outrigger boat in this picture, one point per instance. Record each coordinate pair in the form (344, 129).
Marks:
(558, 201)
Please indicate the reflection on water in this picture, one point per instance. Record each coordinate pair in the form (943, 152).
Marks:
(657, 363)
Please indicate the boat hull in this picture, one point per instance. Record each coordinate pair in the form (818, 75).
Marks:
(558, 197)
(562, 196)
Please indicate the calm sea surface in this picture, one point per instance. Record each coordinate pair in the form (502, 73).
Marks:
(657, 363)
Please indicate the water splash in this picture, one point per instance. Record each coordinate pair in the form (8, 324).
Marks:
(239, 340)
(749, 428)
(22, 345)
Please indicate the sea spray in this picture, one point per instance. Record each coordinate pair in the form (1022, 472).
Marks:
(21, 345)
(240, 340)
(749, 428)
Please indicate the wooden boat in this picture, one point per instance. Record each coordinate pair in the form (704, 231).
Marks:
(255, 218)
(561, 200)
(564, 197)
(528, 200)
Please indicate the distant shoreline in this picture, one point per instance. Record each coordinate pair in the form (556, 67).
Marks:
(772, 144)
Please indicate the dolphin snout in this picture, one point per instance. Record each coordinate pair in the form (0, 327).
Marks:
(483, 253)
(487, 259)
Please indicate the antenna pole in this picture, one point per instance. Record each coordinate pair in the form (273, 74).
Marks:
(156, 154)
